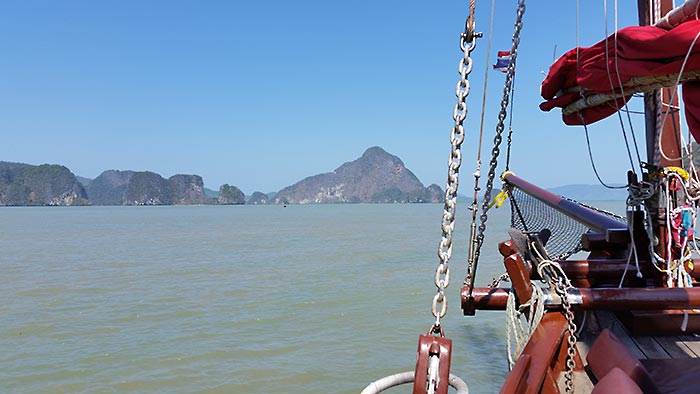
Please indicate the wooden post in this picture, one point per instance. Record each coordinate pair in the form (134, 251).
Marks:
(662, 132)
(670, 129)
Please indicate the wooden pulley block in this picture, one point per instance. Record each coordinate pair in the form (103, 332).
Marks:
(432, 365)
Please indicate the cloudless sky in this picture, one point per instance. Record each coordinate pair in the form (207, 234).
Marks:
(262, 94)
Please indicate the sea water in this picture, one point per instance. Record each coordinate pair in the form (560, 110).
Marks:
(234, 299)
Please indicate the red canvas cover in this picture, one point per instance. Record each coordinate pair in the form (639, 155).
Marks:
(641, 51)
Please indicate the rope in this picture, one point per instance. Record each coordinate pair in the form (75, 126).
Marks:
(486, 82)
(673, 96)
(408, 377)
(578, 46)
(518, 331)
(510, 125)
(636, 85)
(612, 85)
(590, 155)
(629, 118)
(469, 24)
(629, 256)
(679, 14)
(474, 207)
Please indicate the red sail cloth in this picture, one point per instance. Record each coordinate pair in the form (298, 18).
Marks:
(641, 51)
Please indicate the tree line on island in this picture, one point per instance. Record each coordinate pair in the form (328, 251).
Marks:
(375, 177)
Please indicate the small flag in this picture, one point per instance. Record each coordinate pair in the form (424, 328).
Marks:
(502, 61)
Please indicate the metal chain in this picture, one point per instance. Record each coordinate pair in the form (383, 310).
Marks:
(459, 114)
(497, 142)
(560, 289)
(558, 281)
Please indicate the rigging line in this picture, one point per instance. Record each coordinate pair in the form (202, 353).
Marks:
(577, 36)
(474, 207)
(612, 85)
(486, 81)
(673, 96)
(590, 155)
(510, 124)
(619, 81)
(633, 112)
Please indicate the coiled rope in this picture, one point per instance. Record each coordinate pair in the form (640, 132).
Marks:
(518, 332)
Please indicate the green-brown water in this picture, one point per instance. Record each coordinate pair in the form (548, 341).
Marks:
(239, 299)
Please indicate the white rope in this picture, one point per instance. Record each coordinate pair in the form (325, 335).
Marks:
(619, 81)
(545, 263)
(679, 14)
(673, 96)
(518, 328)
(629, 256)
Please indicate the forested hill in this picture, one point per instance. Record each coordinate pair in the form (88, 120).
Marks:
(47, 184)
(375, 177)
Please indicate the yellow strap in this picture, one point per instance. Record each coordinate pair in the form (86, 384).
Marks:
(503, 176)
(500, 198)
(683, 173)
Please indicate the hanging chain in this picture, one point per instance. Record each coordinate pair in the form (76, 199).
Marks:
(559, 282)
(496, 143)
(560, 289)
(442, 273)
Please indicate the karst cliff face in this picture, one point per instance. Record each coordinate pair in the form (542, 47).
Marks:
(46, 184)
(114, 187)
(376, 177)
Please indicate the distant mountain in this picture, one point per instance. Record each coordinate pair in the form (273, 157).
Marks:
(46, 184)
(258, 198)
(230, 195)
(186, 190)
(436, 193)
(109, 187)
(590, 192)
(376, 177)
(115, 187)
(210, 193)
(83, 181)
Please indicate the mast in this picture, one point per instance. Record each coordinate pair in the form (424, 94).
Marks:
(658, 105)
(662, 125)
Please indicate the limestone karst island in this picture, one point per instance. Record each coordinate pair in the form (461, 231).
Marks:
(375, 177)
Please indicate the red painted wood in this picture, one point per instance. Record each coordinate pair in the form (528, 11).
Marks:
(541, 349)
(610, 299)
(428, 346)
(516, 383)
(519, 277)
(608, 352)
(616, 381)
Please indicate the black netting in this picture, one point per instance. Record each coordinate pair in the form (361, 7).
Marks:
(530, 215)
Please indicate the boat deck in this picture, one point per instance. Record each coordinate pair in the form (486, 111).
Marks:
(643, 347)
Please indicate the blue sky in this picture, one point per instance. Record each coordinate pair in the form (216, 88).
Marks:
(263, 94)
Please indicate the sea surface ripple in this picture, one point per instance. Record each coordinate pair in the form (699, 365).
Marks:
(233, 299)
